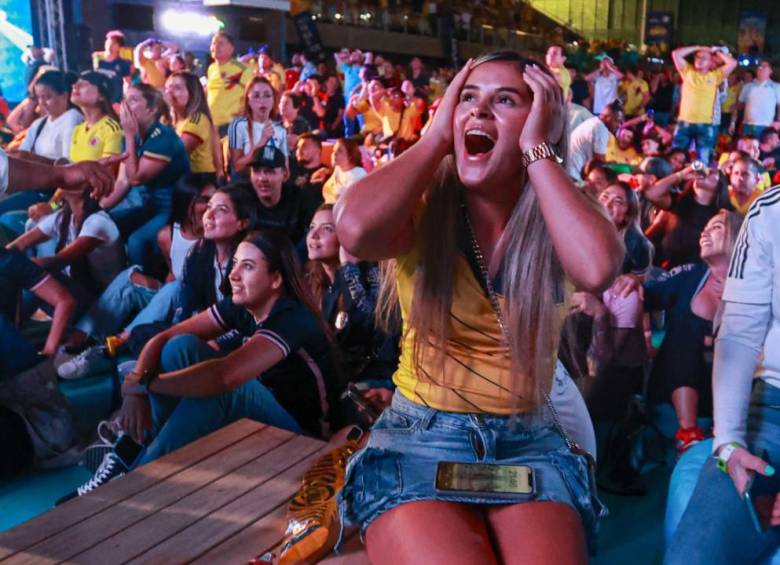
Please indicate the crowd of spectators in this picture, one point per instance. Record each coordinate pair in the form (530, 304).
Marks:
(215, 258)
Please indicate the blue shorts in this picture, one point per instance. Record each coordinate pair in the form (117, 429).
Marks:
(398, 463)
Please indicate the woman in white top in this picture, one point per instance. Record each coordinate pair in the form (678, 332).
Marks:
(89, 251)
(347, 169)
(48, 138)
(256, 127)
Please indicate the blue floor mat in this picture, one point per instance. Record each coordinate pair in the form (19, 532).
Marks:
(35, 493)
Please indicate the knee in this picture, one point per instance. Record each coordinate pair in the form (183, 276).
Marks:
(181, 351)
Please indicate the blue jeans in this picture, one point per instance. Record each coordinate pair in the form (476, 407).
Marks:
(161, 307)
(179, 421)
(750, 130)
(716, 527)
(703, 135)
(123, 298)
(139, 221)
(682, 485)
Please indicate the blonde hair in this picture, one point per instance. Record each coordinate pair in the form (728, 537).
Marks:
(532, 275)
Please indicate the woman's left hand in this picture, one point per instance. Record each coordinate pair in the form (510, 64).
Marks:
(546, 119)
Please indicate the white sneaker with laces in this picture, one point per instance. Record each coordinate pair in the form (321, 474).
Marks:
(91, 360)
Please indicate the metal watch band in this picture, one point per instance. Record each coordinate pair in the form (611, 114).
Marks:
(541, 151)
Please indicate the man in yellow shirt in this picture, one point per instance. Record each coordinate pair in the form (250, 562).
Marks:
(699, 95)
(555, 58)
(153, 66)
(226, 79)
(635, 91)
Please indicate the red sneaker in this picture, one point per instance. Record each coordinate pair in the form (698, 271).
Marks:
(687, 437)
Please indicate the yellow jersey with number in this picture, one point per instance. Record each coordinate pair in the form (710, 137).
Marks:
(202, 157)
(103, 139)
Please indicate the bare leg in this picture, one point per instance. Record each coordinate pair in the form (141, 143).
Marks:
(685, 400)
(430, 532)
(538, 533)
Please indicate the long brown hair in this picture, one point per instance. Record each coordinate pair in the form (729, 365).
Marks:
(533, 278)
(196, 99)
(314, 272)
(257, 79)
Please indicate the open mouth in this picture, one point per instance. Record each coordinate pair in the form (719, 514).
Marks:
(479, 142)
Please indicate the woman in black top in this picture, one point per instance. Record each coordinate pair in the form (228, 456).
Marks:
(280, 375)
(691, 295)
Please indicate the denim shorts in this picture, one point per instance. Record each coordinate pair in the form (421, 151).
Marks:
(398, 463)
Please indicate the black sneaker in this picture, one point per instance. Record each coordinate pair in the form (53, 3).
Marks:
(115, 464)
(108, 436)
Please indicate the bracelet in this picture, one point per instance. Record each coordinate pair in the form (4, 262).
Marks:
(725, 454)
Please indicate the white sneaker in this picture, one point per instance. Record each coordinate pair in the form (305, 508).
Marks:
(91, 360)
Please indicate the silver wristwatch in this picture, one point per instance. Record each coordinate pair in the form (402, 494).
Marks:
(543, 150)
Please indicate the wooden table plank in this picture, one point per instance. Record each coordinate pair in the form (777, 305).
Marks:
(205, 503)
(121, 514)
(63, 517)
(201, 537)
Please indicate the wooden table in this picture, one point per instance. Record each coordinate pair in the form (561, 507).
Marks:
(221, 499)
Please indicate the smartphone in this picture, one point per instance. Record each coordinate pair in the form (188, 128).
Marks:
(511, 481)
(759, 498)
(354, 393)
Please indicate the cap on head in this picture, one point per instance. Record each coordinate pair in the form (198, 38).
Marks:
(269, 157)
(100, 80)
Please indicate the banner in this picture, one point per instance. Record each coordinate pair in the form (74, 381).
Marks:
(752, 32)
(658, 30)
(310, 37)
(15, 36)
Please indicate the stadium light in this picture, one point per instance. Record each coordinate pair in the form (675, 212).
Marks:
(190, 23)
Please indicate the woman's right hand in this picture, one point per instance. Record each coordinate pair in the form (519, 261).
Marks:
(626, 284)
(440, 129)
(742, 463)
(38, 211)
(135, 416)
(266, 135)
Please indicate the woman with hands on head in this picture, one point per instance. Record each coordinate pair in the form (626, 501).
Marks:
(478, 208)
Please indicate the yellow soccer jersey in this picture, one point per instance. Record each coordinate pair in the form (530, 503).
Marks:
(199, 126)
(225, 90)
(103, 139)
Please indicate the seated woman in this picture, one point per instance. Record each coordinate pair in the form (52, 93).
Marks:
(691, 294)
(347, 169)
(49, 137)
(293, 123)
(98, 136)
(89, 251)
(226, 217)
(191, 117)
(156, 159)
(282, 374)
(256, 128)
(18, 273)
(346, 290)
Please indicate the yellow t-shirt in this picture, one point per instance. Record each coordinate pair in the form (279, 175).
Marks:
(732, 96)
(372, 120)
(697, 101)
(225, 90)
(202, 158)
(409, 121)
(615, 154)
(92, 143)
(474, 375)
(563, 77)
(151, 73)
(634, 92)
